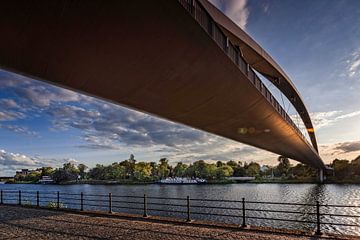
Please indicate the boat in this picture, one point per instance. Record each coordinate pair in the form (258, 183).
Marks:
(46, 180)
(179, 180)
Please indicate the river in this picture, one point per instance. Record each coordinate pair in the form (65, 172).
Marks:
(342, 194)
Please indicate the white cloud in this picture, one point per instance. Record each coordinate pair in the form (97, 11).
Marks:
(10, 162)
(16, 159)
(10, 115)
(323, 119)
(354, 64)
(344, 150)
(236, 10)
(19, 129)
(8, 104)
(42, 96)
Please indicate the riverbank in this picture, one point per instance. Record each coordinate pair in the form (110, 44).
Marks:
(209, 182)
(29, 223)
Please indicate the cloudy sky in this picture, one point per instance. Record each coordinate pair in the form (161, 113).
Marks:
(316, 42)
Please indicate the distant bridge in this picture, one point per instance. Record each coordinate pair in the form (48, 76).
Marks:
(180, 60)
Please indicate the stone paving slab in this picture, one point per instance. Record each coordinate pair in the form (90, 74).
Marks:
(30, 223)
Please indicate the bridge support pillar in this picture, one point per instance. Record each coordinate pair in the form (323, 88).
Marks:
(321, 175)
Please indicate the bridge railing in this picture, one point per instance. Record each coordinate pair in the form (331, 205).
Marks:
(234, 53)
(244, 213)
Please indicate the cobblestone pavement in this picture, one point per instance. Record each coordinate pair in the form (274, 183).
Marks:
(28, 223)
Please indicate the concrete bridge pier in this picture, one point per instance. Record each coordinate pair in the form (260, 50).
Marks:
(321, 175)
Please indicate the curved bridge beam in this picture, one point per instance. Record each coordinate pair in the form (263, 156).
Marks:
(262, 62)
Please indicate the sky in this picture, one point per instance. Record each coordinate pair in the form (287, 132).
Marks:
(316, 43)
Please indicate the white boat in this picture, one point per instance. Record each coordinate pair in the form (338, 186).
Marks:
(46, 180)
(178, 180)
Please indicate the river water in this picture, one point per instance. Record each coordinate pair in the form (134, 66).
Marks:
(344, 194)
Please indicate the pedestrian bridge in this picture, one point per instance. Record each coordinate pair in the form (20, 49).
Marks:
(180, 60)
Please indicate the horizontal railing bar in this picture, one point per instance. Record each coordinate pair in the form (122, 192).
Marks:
(120, 201)
(280, 219)
(217, 214)
(69, 198)
(215, 207)
(163, 210)
(95, 195)
(278, 211)
(95, 205)
(215, 200)
(335, 205)
(166, 198)
(341, 224)
(136, 208)
(339, 215)
(126, 196)
(279, 203)
(167, 204)
(47, 197)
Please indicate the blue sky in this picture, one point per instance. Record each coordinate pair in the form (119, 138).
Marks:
(316, 42)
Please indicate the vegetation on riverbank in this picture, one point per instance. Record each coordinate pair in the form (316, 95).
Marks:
(131, 171)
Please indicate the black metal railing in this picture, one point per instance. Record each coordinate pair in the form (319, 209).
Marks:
(241, 212)
(213, 30)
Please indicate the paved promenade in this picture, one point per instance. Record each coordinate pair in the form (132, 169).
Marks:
(28, 223)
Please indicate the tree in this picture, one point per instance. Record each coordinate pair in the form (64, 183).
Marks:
(239, 171)
(82, 168)
(283, 166)
(341, 167)
(232, 164)
(46, 171)
(253, 169)
(62, 175)
(219, 164)
(142, 171)
(224, 171)
(98, 172)
(180, 169)
(71, 168)
(163, 168)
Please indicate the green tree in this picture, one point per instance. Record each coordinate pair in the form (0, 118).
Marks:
(163, 168)
(342, 168)
(283, 166)
(98, 172)
(224, 171)
(232, 164)
(253, 169)
(180, 169)
(82, 168)
(142, 171)
(46, 171)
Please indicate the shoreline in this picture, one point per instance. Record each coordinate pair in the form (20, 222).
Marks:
(222, 182)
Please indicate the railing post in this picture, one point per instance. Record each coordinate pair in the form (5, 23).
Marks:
(110, 203)
(188, 208)
(81, 201)
(145, 206)
(37, 199)
(19, 197)
(243, 214)
(1, 197)
(318, 229)
(58, 200)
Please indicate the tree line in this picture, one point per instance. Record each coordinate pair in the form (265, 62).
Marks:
(131, 170)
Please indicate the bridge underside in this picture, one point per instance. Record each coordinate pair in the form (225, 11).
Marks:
(146, 55)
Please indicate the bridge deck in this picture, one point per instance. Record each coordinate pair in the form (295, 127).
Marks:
(26, 223)
(155, 58)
